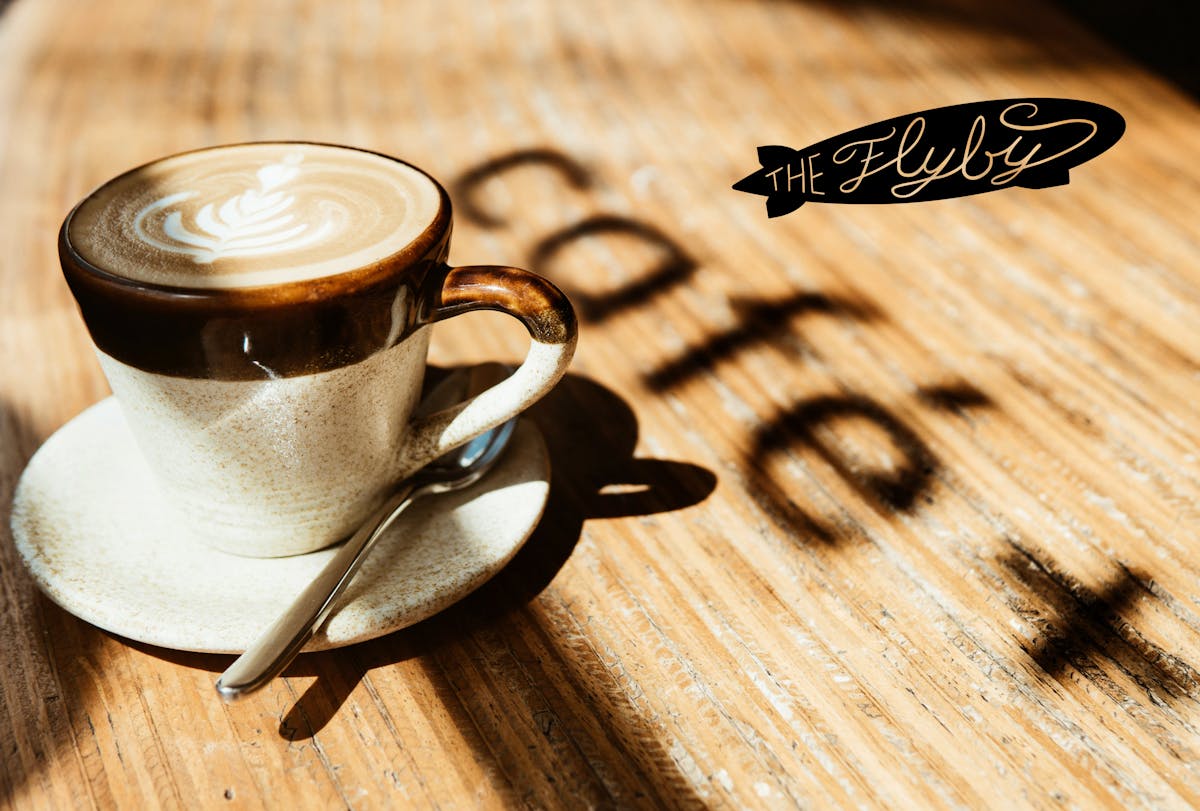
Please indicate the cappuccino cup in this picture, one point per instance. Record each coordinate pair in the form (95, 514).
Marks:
(263, 311)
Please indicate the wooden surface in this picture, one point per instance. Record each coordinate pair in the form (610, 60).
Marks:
(864, 506)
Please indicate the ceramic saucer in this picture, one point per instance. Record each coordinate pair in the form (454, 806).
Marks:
(89, 523)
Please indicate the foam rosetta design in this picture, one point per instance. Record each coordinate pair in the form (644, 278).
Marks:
(253, 214)
(253, 223)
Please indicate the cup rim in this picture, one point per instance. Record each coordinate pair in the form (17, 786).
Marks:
(282, 329)
(268, 295)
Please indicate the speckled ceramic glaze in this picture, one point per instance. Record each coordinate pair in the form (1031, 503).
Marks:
(91, 525)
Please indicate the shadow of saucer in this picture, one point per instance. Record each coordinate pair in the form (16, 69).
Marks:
(591, 434)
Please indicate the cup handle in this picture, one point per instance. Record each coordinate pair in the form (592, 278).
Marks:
(553, 331)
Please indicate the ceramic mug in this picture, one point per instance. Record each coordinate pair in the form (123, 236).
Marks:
(263, 311)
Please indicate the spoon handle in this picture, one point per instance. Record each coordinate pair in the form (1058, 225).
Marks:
(276, 648)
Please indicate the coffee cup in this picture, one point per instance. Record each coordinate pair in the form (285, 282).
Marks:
(262, 312)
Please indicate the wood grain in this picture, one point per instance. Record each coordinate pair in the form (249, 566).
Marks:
(882, 506)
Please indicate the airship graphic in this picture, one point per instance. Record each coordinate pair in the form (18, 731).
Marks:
(936, 154)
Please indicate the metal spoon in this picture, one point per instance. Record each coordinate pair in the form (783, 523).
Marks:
(460, 468)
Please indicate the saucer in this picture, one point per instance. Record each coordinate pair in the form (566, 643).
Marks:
(90, 524)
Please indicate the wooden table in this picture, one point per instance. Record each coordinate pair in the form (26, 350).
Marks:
(862, 506)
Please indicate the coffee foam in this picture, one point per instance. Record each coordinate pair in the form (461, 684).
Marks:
(253, 214)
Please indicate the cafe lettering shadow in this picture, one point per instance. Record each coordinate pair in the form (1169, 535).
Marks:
(1086, 626)
(819, 425)
(673, 266)
(894, 472)
(759, 322)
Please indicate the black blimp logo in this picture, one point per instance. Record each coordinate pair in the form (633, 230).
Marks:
(936, 154)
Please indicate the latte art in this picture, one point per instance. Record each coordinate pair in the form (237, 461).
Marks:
(253, 215)
(256, 222)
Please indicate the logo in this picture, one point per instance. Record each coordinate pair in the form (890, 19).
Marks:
(937, 154)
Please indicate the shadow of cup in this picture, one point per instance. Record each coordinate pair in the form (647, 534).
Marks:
(591, 434)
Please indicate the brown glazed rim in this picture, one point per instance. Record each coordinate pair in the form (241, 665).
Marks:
(261, 296)
(275, 330)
